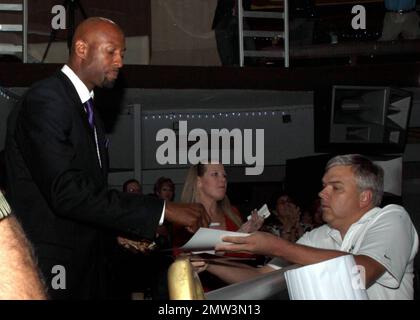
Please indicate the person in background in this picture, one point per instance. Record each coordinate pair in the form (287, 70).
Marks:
(306, 221)
(401, 18)
(285, 219)
(133, 186)
(311, 218)
(164, 189)
(316, 211)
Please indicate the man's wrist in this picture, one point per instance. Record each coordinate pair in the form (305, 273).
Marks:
(278, 249)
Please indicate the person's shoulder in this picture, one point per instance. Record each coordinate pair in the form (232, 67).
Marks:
(52, 82)
(391, 211)
(391, 214)
(395, 211)
(393, 207)
(50, 89)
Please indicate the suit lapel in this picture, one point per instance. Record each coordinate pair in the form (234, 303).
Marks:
(75, 99)
(73, 95)
(102, 142)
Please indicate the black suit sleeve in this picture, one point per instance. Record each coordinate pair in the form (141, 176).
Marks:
(55, 147)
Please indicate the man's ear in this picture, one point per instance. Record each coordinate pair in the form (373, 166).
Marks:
(81, 48)
(365, 198)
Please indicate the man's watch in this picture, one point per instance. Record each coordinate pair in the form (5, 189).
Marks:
(4, 207)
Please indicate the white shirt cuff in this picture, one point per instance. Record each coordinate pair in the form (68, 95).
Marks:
(162, 217)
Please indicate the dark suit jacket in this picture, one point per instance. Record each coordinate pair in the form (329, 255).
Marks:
(59, 192)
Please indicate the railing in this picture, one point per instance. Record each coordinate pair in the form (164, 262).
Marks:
(271, 285)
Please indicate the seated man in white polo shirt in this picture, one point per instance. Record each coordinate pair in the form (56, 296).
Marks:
(383, 241)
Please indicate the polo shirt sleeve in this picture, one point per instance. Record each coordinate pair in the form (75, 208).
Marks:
(390, 240)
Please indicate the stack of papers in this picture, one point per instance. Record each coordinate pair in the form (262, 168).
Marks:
(334, 279)
(205, 239)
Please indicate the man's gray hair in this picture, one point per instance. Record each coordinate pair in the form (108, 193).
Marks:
(369, 176)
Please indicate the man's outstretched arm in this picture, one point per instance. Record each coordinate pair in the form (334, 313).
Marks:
(269, 245)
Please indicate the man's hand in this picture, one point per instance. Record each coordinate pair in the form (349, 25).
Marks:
(192, 216)
(143, 246)
(262, 243)
(198, 263)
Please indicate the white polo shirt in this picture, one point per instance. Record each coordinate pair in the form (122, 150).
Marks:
(386, 235)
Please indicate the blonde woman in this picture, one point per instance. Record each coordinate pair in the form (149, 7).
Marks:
(207, 184)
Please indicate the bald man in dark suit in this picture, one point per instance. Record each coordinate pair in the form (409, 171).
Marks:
(57, 167)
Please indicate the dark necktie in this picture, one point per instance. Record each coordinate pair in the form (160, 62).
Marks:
(89, 109)
(91, 118)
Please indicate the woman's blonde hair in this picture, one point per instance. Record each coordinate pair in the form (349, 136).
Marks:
(190, 192)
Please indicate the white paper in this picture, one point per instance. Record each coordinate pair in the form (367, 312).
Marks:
(206, 239)
(334, 279)
(263, 212)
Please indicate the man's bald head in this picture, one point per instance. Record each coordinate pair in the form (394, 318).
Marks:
(97, 52)
(92, 27)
